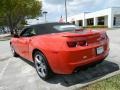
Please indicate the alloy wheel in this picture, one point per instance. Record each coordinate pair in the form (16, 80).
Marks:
(40, 65)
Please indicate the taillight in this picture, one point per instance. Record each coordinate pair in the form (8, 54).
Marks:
(104, 36)
(76, 43)
(82, 43)
(72, 44)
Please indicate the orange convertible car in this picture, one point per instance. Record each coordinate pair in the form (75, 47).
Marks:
(60, 47)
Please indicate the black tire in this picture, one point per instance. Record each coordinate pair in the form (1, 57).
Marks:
(42, 66)
(13, 52)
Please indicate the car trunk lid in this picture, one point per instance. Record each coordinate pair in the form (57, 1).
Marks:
(88, 36)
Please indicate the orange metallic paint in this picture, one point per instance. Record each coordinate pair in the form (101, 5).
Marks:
(61, 58)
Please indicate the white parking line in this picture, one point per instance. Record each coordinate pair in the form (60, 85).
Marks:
(3, 70)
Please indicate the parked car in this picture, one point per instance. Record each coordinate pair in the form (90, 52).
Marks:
(60, 48)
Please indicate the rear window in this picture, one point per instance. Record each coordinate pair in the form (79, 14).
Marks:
(65, 27)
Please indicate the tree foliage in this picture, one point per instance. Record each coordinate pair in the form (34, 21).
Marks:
(15, 12)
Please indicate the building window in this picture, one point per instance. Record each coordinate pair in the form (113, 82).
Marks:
(101, 20)
(80, 23)
(73, 22)
(114, 22)
(90, 21)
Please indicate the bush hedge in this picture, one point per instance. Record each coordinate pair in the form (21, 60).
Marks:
(98, 26)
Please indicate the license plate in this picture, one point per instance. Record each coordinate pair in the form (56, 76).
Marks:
(100, 50)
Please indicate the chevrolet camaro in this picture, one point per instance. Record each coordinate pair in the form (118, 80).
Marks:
(60, 48)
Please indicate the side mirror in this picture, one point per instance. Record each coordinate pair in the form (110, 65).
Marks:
(16, 36)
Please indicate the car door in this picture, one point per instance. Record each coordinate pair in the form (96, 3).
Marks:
(24, 42)
(14, 44)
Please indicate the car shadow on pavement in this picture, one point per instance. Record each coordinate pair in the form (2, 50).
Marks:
(84, 75)
(30, 63)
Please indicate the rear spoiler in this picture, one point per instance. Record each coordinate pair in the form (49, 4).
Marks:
(80, 35)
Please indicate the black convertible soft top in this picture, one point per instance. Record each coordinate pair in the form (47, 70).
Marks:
(50, 24)
(47, 28)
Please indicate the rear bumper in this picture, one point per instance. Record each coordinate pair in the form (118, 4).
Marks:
(73, 66)
(66, 61)
(68, 67)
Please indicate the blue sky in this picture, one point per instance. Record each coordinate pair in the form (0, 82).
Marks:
(55, 8)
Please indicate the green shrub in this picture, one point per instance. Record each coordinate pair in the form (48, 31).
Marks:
(98, 26)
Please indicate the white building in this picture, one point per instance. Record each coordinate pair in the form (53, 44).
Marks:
(109, 17)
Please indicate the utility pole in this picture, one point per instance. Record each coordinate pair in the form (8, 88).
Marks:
(66, 10)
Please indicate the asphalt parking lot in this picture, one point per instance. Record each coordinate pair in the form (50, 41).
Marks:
(18, 74)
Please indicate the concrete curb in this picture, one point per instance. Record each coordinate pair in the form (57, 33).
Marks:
(2, 58)
(5, 37)
(102, 78)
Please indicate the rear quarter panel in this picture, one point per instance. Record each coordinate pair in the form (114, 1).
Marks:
(50, 46)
